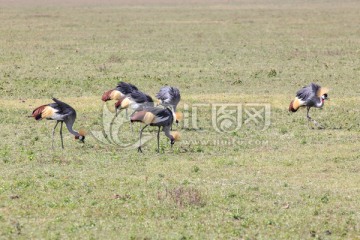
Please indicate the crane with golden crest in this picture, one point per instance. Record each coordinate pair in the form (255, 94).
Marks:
(170, 96)
(158, 117)
(62, 113)
(312, 95)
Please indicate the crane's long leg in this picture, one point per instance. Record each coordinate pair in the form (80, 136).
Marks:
(61, 136)
(158, 140)
(310, 119)
(139, 148)
(118, 110)
(131, 113)
(307, 113)
(53, 134)
(131, 124)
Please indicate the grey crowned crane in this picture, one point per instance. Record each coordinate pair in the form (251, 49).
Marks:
(157, 117)
(170, 96)
(136, 100)
(61, 112)
(309, 96)
(120, 91)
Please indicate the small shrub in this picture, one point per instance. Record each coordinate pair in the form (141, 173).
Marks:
(272, 73)
(195, 169)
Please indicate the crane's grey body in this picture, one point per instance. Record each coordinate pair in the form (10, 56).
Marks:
(309, 97)
(63, 112)
(163, 117)
(140, 101)
(308, 94)
(126, 88)
(169, 96)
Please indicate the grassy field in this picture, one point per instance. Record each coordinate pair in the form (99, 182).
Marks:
(288, 181)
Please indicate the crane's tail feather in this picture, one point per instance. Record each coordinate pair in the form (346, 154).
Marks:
(295, 104)
(106, 96)
(117, 104)
(38, 112)
(111, 95)
(291, 107)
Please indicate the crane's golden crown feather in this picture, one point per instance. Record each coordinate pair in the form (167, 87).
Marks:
(179, 116)
(295, 104)
(106, 96)
(176, 135)
(322, 91)
(82, 132)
